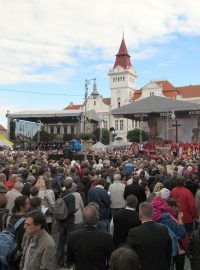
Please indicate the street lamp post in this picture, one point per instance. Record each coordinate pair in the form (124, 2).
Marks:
(87, 82)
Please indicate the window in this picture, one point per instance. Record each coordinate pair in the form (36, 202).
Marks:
(113, 79)
(94, 103)
(133, 123)
(105, 124)
(137, 124)
(151, 93)
(51, 130)
(116, 124)
(121, 125)
(58, 130)
(118, 101)
(65, 130)
(123, 79)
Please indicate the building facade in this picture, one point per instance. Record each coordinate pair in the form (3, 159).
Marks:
(122, 79)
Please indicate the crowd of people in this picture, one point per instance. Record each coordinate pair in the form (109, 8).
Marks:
(115, 211)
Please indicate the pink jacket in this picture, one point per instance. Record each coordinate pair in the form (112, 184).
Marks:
(160, 206)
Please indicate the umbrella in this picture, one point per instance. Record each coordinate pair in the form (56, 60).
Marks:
(5, 142)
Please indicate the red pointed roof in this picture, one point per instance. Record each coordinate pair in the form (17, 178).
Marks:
(122, 58)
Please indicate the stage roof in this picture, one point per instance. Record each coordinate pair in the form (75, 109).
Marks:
(155, 105)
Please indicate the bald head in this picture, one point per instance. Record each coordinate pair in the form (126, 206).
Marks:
(90, 215)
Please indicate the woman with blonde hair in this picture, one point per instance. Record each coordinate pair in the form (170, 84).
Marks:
(47, 196)
(157, 188)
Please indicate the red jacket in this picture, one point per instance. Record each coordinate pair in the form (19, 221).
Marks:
(186, 201)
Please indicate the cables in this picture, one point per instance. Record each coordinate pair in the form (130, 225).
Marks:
(39, 93)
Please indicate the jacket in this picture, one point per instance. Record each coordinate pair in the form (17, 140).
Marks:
(89, 249)
(11, 196)
(136, 190)
(186, 201)
(152, 244)
(163, 213)
(117, 195)
(79, 207)
(194, 249)
(124, 220)
(42, 253)
(48, 200)
(98, 194)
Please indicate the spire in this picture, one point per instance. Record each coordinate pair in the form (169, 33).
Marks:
(123, 58)
(94, 91)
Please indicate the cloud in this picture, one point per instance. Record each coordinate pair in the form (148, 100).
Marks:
(45, 41)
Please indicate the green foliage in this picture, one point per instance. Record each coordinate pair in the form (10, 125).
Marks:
(44, 136)
(105, 139)
(134, 135)
(86, 136)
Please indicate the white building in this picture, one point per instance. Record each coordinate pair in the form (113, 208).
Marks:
(122, 88)
(123, 91)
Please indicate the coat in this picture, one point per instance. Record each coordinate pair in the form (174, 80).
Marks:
(152, 244)
(11, 196)
(79, 207)
(48, 200)
(186, 201)
(124, 220)
(99, 195)
(136, 190)
(42, 254)
(117, 195)
(89, 249)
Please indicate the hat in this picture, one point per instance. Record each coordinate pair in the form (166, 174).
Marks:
(164, 193)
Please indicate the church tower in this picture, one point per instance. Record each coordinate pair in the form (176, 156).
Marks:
(122, 78)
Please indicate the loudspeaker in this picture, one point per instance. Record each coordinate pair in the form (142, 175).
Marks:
(12, 130)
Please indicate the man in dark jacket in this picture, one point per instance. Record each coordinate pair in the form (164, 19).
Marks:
(99, 195)
(89, 248)
(136, 190)
(124, 220)
(151, 241)
(66, 225)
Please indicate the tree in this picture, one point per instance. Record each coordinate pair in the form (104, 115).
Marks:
(134, 135)
(44, 136)
(105, 139)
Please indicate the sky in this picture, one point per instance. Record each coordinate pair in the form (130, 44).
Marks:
(49, 47)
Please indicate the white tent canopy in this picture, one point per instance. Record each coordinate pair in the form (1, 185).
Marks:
(99, 147)
(120, 143)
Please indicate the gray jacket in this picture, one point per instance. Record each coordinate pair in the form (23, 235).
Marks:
(42, 253)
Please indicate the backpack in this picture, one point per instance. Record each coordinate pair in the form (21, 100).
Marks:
(60, 209)
(8, 240)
